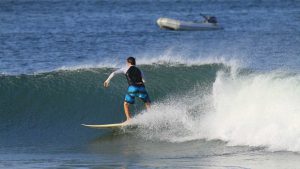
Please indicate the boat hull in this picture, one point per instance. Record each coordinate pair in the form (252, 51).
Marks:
(173, 24)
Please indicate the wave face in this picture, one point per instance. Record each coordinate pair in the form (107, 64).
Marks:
(190, 102)
(53, 105)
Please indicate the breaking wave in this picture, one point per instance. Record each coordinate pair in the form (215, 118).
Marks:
(207, 100)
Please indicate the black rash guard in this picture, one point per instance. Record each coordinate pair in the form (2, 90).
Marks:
(134, 76)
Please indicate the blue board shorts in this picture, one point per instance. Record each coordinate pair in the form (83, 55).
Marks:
(137, 91)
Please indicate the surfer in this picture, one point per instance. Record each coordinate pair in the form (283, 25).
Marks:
(136, 88)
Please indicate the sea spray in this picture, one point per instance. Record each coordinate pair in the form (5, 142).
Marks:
(252, 109)
(171, 120)
(256, 110)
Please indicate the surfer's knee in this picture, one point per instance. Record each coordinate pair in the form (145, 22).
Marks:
(126, 104)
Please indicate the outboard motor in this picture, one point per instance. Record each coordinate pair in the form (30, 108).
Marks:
(212, 19)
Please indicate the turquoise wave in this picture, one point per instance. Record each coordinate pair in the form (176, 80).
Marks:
(54, 104)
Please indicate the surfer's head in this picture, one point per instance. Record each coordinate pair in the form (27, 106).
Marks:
(131, 60)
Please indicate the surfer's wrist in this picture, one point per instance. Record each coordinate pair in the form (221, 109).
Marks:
(106, 83)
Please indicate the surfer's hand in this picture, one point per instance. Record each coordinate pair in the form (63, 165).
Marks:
(106, 83)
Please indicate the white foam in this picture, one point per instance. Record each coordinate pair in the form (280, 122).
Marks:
(252, 110)
(167, 121)
(256, 110)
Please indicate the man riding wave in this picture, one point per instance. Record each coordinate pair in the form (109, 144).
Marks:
(136, 85)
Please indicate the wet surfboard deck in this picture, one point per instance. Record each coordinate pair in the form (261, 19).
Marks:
(106, 126)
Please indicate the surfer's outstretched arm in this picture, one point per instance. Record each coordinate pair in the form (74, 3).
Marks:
(107, 81)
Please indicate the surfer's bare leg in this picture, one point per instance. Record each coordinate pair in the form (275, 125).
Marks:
(126, 110)
(147, 104)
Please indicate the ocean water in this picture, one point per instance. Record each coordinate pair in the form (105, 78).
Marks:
(226, 99)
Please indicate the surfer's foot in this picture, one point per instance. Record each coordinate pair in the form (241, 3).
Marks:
(127, 121)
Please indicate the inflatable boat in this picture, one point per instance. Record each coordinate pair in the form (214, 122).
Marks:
(173, 24)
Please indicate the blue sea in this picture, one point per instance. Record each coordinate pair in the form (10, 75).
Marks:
(225, 99)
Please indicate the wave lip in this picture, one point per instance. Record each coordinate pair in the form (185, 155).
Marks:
(164, 59)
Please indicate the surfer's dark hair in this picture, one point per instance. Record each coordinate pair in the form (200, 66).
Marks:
(131, 60)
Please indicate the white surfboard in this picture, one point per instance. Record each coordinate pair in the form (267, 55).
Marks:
(103, 126)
